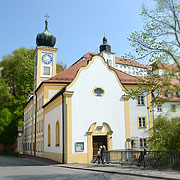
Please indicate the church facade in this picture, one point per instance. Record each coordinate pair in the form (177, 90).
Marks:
(70, 114)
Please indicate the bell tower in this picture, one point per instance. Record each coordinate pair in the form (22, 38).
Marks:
(45, 56)
(105, 51)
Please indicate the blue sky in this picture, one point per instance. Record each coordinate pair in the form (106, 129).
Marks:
(78, 25)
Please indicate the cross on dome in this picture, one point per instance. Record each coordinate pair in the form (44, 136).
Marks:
(46, 16)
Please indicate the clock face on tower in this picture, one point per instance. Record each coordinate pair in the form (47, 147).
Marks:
(47, 58)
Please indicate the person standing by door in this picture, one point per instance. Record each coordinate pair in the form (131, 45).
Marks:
(103, 153)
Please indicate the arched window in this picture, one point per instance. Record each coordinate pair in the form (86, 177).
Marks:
(49, 135)
(57, 133)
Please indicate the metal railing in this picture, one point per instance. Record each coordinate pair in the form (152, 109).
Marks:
(144, 158)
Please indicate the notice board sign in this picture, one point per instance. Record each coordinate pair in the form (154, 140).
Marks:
(79, 146)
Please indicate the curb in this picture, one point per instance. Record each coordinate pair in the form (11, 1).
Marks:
(114, 172)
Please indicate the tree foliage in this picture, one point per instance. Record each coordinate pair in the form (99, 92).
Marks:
(165, 134)
(158, 43)
(16, 82)
(160, 38)
(60, 67)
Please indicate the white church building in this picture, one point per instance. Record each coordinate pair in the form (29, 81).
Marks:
(70, 114)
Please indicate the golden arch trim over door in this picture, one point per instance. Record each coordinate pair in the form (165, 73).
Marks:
(97, 131)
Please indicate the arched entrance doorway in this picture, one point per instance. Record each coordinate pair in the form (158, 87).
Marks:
(97, 136)
(97, 142)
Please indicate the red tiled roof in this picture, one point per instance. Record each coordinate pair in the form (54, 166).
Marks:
(119, 60)
(69, 74)
(126, 78)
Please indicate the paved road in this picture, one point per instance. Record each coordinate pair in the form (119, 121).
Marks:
(14, 168)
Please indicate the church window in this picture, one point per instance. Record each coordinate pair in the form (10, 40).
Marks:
(143, 142)
(49, 135)
(57, 133)
(98, 91)
(140, 101)
(142, 122)
(46, 70)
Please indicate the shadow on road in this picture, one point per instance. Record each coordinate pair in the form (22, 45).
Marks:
(92, 176)
(24, 161)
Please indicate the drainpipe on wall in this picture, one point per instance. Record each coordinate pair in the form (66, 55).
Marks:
(35, 125)
(63, 128)
(32, 128)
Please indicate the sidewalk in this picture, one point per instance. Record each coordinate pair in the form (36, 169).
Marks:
(116, 168)
(134, 171)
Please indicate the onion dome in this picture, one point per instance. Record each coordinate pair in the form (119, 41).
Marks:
(45, 38)
(105, 46)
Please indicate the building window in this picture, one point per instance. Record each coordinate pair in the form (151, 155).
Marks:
(141, 101)
(159, 108)
(109, 62)
(142, 122)
(42, 101)
(173, 107)
(142, 143)
(98, 91)
(169, 93)
(46, 70)
(57, 133)
(49, 135)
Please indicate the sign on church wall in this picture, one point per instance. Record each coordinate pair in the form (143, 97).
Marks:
(79, 146)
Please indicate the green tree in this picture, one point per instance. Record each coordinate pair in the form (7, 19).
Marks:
(5, 98)
(158, 42)
(60, 67)
(165, 134)
(15, 84)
